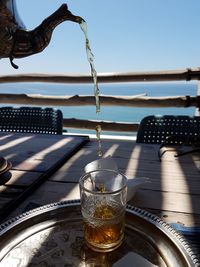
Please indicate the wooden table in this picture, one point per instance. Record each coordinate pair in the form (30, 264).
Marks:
(173, 192)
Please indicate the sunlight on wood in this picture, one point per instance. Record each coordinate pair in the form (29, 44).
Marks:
(44, 153)
(176, 202)
(5, 137)
(72, 161)
(74, 193)
(111, 150)
(130, 171)
(14, 141)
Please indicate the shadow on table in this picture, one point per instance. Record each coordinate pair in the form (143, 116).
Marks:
(135, 161)
(34, 158)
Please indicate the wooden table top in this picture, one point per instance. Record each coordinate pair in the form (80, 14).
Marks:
(173, 192)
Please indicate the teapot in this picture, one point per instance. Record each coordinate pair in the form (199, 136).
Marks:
(17, 42)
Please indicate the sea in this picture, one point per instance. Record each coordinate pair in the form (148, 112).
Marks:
(116, 113)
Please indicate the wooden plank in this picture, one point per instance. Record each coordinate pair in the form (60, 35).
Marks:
(19, 178)
(4, 201)
(133, 160)
(129, 150)
(181, 218)
(197, 111)
(106, 125)
(55, 191)
(157, 181)
(12, 185)
(37, 152)
(163, 75)
(167, 201)
(106, 100)
(47, 193)
(10, 191)
(179, 186)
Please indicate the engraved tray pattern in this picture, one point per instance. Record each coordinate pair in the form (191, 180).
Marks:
(52, 236)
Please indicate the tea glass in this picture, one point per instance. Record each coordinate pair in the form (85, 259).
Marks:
(103, 195)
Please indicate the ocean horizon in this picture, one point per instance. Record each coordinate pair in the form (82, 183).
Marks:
(118, 113)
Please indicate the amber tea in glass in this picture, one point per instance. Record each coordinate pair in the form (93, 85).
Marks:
(103, 204)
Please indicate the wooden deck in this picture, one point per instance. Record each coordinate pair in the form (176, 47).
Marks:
(173, 192)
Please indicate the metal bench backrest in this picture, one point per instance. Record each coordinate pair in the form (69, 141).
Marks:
(31, 120)
(169, 129)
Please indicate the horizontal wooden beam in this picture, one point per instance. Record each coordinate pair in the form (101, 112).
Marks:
(153, 76)
(105, 100)
(105, 125)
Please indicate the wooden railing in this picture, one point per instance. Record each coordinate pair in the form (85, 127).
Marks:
(106, 100)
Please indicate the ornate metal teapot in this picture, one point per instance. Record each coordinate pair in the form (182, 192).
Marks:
(16, 41)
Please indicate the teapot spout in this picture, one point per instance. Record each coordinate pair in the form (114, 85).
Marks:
(27, 43)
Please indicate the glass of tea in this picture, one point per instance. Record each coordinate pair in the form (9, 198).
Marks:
(103, 195)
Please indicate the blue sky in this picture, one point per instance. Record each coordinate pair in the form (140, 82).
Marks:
(125, 35)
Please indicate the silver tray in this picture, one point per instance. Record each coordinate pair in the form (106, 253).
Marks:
(52, 236)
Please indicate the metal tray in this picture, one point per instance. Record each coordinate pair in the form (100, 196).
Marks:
(52, 236)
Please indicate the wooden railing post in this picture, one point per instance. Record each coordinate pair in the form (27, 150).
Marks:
(197, 111)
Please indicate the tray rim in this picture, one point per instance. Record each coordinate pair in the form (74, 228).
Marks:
(166, 228)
